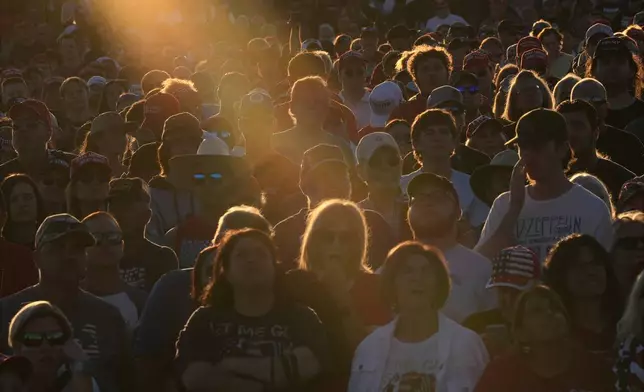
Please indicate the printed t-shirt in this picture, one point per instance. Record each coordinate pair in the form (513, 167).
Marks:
(610, 173)
(411, 366)
(542, 223)
(142, 267)
(124, 304)
(620, 118)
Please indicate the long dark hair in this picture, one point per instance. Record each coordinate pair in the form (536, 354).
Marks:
(559, 262)
(7, 188)
(219, 293)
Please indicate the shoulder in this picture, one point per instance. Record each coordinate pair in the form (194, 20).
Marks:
(14, 302)
(501, 201)
(91, 304)
(160, 183)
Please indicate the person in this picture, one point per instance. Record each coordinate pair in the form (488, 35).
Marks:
(25, 209)
(13, 89)
(15, 373)
(517, 217)
(383, 100)
(153, 79)
(627, 248)
(559, 63)
(564, 87)
(434, 138)
(485, 134)
(324, 175)
(31, 132)
(628, 365)
(596, 187)
(156, 110)
(443, 16)
(527, 92)
(473, 101)
(58, 364)
(623, 147)
(232, 87)
(143, 163)
(352, 68)
(60, 255)
(111, 93)
(494, 48)
(594, 34)
(631, 196)
(614, 66)
(544, 355)
(176, 296)
(95, 86)
(581, 272)
(103, 277)
(88, 187)
(421, 349)
(245, 295)
(108, 137)
(185, 92)
(433, 195)
(489, 181)
(75, 112)
(478, 64)
(400, 130)
(583, 132)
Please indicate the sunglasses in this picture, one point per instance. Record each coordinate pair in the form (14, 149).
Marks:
(109, 239)
(35, 339)
(630, 243)
(201, 178)
(468, 89)
(93, 175)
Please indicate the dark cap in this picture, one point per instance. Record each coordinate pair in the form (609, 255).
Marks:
(88, 158)
(476, 61)
(459, 77)
(631, 188)
(534, 59)
(527, 43)
(612, 46)
(539, 126)
(19, 366)
(31, 107)
(319, 155)
(159, 108)
(483, 121)
(128, 189)
(55, 227)
(182, 123)
(430, 180)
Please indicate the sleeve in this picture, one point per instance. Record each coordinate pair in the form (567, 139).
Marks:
(494, 218)
(310, 333)
(473, 358)
(604, 232)
(477, 212)
(190, 345)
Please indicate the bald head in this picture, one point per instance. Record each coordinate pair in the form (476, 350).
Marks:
(589, 90)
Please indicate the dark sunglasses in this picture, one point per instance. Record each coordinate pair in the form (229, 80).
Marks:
(468, 89)
(630, 243)
(35, 339)
(201, 178)
(91, 175)
(108, 238)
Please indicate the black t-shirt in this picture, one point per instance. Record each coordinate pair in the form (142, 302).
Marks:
(609, 172)
(623, 148)
(622, 117)
(147, 264)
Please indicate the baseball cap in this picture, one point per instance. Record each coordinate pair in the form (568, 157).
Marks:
(598, 28)
(384, 98)
(502, 162)
(257, 101)
(107, 122)
(157, 109)
(320, 155)
(57, 226)
(612, 46)
(88, 158)
(476, 61)
(128, 189)
(483, 121)
(527, 43)
(184, 124)
(96, 80)
(443, 96)
(370, 143)
(511, 52)
(430, 180)
(631, 188)
(460, 77)
(31, 107)
(589, 90)
(213, 145)
(517, 267)
(20, 366)
(351, 57)
(534, 59)
(540, 126)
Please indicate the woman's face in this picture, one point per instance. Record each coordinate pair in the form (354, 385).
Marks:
(402, 134)
(42, 343)
(22, 203)
(75, 96)
(415, 284)
(431, 74)
(628, 253)
(336, 246)
(551, 44)
(108, 250)
(93, 183)
(586, 276)
(542, 322)
(527, 95)
(251, 265)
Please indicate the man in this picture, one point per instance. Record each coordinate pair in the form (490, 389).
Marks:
(400, 38)
(143, 262)
(622, 147)
(383, 100)
(478, 63)
(157, 109)
(594, 34)
(31, 132)
(434, 196)
(232, 87)
(434, 138)
(485, 134)
(494, 48)
(61, 243)
(14, 90)
(75, 111)
(614, 66)
(276, 174)
(583, 132)
(380, 166)
(509, 33)
(352, 68)
(473, 101)
(443, 16)
(324, 175)
(369, 41)
(535, 60)
(538, 215)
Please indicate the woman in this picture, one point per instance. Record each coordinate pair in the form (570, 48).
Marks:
(421, 350)
(545, 357)
(333, 279)
(89, 185)
(108, 137)
(527, 92)
(559, 63)
(103, 277)
(580, 271)
(563, 88)
(247, 336)
(628, 249)
(41, 333)
(25, 209)
(629, 368)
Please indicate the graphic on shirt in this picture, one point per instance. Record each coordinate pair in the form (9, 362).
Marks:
(135, 277)
(88, 340)
(411, 382)
(535, 232)
(252, 341)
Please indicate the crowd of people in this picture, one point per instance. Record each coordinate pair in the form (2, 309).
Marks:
(362, 195)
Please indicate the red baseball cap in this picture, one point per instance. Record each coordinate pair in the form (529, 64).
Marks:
(527, 43)
(534, 59)
(88, 158)
(31, 107)
(476, 61)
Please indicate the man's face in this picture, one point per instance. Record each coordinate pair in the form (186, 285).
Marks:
(329, 181)
(471, 95)
(132, 215)
(551, 44)
(430, 74)
(384, 168)
(495, 53)
(369, 46)
(29, 134)
(353, 77)
(613, 71)
(13, 92)
(582, 138)
(436, 142)
(437, 204)
(69, 52)
(542, 160)
(75, 96)
(488, 140)
(311, 108)
(62, 261)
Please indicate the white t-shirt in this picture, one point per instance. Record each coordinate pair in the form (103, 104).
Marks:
(470, 273)
(542, 223)
(434, 22)
(361, 109)
(127, 308)
(411, 366)
(475, 211)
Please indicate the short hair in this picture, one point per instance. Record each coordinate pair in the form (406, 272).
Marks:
(395, 262)
(596, 187)
(242, 217)
(305, 64)
(326, 58)
(334, 210)
(579, 105)
(397, 121)
(550, 31)
(539, 26)
(540, 291)
(70, 81)
(423, 53)
(626, 218)
(153, 79)
(428, 118)
(341, 37)
(101, 215)
(37, 310)
(567, 81)
(233, 79)
(176, 87)
(491, 41)
(12, 80)
(307, 84)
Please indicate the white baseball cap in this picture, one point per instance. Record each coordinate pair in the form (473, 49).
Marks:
(384, 98)
(212, 145)
(372, 142)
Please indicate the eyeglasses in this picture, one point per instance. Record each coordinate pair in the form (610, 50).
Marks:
(630, 243)
(88, 176)
(35, 339)
(109, 239)
(468, 89)
(202, 178)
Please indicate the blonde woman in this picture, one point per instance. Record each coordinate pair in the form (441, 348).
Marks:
(629, 368)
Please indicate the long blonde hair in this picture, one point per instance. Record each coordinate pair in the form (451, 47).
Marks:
(332, 211)
(631, 321)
